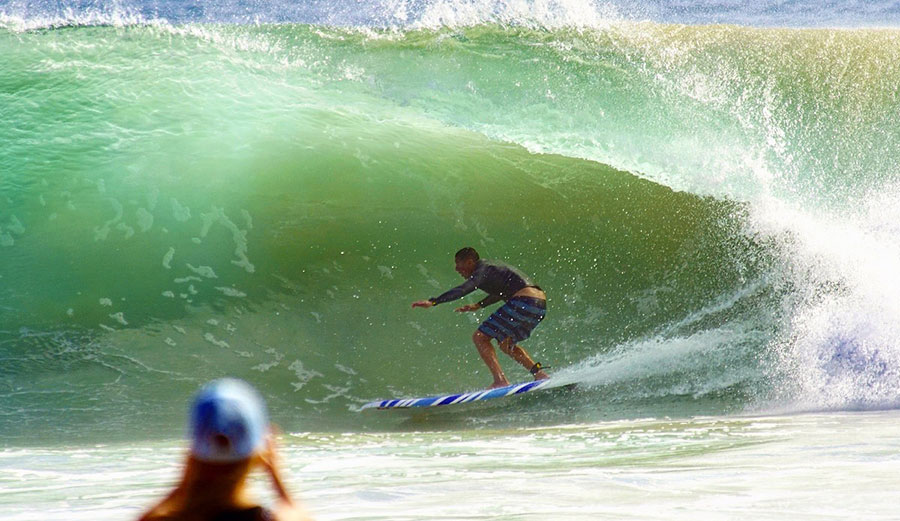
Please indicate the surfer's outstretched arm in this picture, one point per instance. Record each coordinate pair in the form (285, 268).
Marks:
(458, 292)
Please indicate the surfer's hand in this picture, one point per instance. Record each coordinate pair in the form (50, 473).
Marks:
(468, 307)
(423, 304)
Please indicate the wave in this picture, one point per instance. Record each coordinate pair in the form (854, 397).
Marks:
(710, 209)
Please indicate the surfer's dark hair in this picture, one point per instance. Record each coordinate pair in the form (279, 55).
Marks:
(467, 253)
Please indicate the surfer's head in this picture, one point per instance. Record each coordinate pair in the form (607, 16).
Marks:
(466, 260)
(228, 422)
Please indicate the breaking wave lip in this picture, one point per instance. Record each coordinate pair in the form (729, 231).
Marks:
(388, 14)
(538, 14)
(432, 14)
(72, 19)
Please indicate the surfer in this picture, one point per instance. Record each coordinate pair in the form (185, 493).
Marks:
(526, 305)
(230, 437)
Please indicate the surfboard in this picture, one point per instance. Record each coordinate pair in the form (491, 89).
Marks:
(460, 398)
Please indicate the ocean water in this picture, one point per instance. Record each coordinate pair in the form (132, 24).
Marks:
(709, 193)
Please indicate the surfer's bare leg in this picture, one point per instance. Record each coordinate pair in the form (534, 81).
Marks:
(520, 355)
(486, 350)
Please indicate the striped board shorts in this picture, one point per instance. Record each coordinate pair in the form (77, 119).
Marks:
(515, 319)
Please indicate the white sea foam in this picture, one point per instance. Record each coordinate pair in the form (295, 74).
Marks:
(841, 348)
(803, 467)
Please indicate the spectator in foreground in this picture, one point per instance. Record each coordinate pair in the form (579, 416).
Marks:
(230, 437)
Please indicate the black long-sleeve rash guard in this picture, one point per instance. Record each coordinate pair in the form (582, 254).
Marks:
(498, 280)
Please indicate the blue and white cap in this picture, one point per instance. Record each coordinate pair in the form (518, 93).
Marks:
(228, 421)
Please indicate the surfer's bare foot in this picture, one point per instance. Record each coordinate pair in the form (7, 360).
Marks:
(497, 385)
(540, 375)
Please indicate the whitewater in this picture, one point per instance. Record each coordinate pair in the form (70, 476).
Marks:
(707, 192)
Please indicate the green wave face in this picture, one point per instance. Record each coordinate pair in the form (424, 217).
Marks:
(179, 203)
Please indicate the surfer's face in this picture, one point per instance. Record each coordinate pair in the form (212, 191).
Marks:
(465, 268)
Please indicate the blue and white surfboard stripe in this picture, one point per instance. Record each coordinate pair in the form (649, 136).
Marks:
(453, 399)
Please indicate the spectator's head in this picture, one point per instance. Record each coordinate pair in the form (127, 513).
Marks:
(228, 422)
